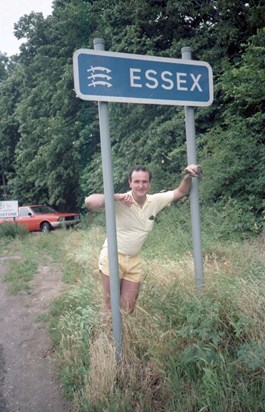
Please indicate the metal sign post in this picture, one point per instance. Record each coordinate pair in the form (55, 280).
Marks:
(194, 192)
(110, 218)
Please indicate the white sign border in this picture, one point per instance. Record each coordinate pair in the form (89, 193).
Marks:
(120, 99)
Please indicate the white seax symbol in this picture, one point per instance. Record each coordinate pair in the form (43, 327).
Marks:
(98, 76)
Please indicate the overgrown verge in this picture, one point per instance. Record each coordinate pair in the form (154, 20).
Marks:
(181, 351)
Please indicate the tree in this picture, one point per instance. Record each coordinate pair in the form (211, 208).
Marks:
(47, 160)
(9, 126)
(236, 149)
(50, 138)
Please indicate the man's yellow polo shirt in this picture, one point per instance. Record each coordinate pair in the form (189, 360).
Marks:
(135, 223)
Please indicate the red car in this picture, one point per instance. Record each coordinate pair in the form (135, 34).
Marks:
(43, 218)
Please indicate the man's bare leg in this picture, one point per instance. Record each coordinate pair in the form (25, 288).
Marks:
(106, 291)
(129, 295)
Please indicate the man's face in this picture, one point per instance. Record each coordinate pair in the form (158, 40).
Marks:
(140, 184)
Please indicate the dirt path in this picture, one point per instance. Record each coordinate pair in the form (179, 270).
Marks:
(27, 375)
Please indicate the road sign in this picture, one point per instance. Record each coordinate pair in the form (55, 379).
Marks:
(121, 77)
(8, 208)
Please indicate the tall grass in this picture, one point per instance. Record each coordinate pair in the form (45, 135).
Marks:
(9, 232)
(181, 351)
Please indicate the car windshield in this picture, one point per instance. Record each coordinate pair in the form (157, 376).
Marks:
(42, 209)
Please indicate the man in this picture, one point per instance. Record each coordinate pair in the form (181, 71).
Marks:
(135, 215)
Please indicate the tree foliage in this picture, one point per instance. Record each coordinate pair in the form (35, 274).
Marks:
(49, 139)
(236, 147)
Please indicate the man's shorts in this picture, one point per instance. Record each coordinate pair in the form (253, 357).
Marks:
(129, 266)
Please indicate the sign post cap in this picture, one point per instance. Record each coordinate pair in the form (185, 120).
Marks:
(186, 49)
(98, 40)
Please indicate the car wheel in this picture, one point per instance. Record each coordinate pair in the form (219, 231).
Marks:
(45, 227)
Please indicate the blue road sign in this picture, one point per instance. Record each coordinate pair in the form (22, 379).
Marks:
(121, 77)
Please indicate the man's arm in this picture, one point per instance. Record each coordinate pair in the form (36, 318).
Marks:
(97, 200)
(184, 187)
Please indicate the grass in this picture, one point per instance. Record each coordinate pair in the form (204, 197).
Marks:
(8, 233)
(20, 274)
(28, 251)
(182, 351)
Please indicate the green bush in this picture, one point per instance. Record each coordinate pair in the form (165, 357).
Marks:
(9, 231)
(12, 230)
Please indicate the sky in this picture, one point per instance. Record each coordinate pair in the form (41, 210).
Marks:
(10, 12)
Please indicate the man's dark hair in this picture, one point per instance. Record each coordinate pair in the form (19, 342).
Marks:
(139, 168)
